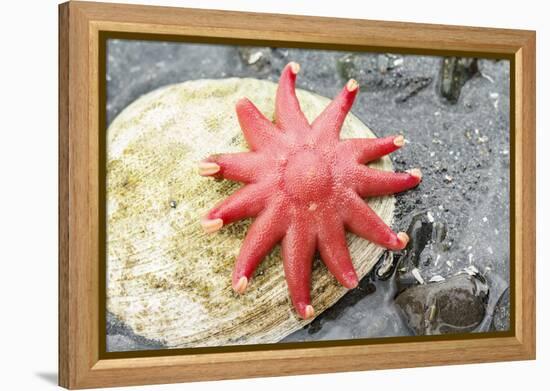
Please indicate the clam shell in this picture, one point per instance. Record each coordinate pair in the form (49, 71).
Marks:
(166, 279)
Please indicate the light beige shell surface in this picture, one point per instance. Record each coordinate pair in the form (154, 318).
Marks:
(166, 279)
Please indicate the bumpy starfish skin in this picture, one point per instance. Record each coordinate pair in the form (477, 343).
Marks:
(304, 186)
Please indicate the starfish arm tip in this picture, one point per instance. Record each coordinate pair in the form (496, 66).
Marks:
(242, 104)
(352, 281)
(403, 239)
(352, 85)
(288, 113)
(211, 225)
(294, 67)
(309, 312)
(399, 141)
(208, 168)
(241, 285)
(416, 172)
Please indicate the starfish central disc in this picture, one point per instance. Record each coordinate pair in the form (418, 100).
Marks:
(307, 176)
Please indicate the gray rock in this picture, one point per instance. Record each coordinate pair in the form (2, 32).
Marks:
(121, 338)
(455, 72)
(457, 304)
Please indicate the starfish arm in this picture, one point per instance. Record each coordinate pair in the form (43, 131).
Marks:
(329, 123)
(364, 150)
(288, 114)
(298, 248)
(246, 202)
(264, 233)
(335, 253)
(364, 222)
(369, 182)
(257, 129)
(240, 167)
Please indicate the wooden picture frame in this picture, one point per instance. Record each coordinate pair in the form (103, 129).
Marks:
(81, 25)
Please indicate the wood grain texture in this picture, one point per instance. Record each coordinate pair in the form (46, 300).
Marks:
(526, 194)
(63, 199)
(80, 365)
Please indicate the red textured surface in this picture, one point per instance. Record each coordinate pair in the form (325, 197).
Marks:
(305, 187)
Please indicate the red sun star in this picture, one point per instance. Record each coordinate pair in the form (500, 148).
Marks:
(304, 186)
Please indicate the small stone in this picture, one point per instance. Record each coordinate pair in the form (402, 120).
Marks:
(258, 58)
(398, 62)
(254, 57)
(416, 273)
(471, 270)
(430, 217)
(383, 63)
(386, 267)
(455, 305)
(173, 204)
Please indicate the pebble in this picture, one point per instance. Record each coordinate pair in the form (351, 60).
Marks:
(456, 304)
(416, 273)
